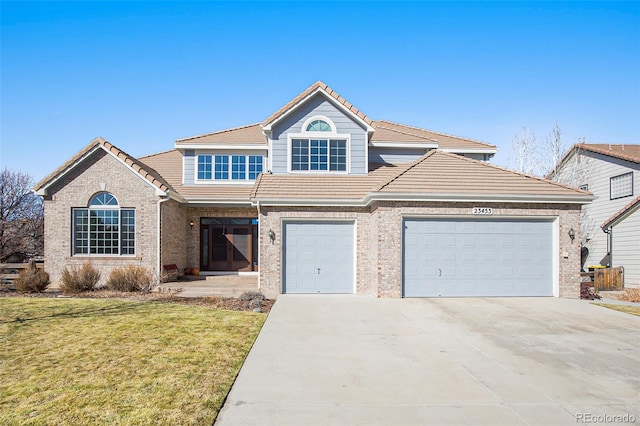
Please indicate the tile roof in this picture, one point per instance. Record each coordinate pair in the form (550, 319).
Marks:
(400, 132)
(323, 186)
(169, 165)
(136, 165)
(246, 135)
(437, 173)
(622, 212)
(622, 151)
(440, 172)
(318, 85)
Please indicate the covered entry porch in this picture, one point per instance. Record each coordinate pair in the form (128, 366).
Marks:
(228, 244)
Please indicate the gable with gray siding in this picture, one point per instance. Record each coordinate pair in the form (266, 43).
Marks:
(626, 248)
(595, 171)
(318, 105)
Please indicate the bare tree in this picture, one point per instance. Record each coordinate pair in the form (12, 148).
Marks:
(524, 152)
(551, 152)
(21, 217)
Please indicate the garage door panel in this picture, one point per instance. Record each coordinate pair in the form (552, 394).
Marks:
(318, 257)
(477, 257)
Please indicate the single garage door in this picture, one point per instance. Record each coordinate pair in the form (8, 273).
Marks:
(318, 257)
(477, 257)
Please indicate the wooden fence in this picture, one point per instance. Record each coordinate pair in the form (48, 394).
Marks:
(9, 271)
(609, 279)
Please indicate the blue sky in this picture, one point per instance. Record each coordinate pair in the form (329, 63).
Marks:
(142, 74)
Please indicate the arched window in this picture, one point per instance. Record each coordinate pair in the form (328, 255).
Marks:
(103, 199)
(318, 126)
(319, 148)
(104, 228)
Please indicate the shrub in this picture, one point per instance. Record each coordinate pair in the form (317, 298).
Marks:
(130, 278)
(631, 295)
(32, 280)
(251, 295)
(79, 279)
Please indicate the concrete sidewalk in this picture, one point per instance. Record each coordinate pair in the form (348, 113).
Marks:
(343, 360)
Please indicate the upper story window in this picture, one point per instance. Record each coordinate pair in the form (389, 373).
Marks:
(103, 228)
(621, 186)
(318, 126)
(318, 154)
(318, 148)
(229, 167)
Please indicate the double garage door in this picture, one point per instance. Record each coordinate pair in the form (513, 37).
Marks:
(477, 257)
(440, 257)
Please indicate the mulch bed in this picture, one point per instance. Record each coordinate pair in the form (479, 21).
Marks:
(227, 303)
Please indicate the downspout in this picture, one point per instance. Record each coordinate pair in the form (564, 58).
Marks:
(609, 232)
(259, 248)
(160, 201)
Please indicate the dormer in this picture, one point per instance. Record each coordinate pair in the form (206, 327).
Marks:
(318, 132)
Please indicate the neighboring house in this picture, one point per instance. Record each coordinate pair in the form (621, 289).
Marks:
(318, 198)
(611, 223)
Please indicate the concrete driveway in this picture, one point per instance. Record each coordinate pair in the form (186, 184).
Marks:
(343, 360)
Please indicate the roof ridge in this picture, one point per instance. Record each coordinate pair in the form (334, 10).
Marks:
(530, 176)
(406, 169)
(256, 185)
(88, 147)
(405, 133)
(620, 212)
(438, 133)
(217, 132)
(317, 86)
(140, 165)
(598, 150)
(166, 151)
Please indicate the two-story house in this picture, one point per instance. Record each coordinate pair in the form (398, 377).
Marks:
(611, 223)
(319, 198)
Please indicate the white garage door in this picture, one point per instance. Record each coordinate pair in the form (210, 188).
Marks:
(477, 257)
(318, 257)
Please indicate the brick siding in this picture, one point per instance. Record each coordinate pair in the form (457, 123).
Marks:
(379, 240)
(100, 172)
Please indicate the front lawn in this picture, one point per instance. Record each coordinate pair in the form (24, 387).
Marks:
(633, 310)
(91, 361)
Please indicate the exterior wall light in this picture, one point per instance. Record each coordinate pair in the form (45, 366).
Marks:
(272, 235)
(572, 234)
(191, 224)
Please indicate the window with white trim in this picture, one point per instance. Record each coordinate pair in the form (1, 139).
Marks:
(229, 167)
(621, 186)
(318, 148)
(318, 155)
(104, 228)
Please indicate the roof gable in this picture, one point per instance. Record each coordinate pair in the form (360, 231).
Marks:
(330, 94)
(143, 171)
(621, 151)
(622, 214)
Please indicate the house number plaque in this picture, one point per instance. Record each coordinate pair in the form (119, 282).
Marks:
(483, 210)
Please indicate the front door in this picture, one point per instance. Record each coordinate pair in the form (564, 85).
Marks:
(226, 247)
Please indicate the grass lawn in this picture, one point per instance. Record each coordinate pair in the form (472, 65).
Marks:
(633, 310)
(90, 361)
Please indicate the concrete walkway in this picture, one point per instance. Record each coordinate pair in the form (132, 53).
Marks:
(357, 360)
(212, 286)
